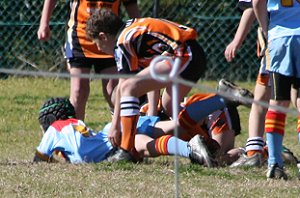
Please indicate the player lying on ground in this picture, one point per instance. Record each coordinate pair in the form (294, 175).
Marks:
(72, 139)
(77, 143)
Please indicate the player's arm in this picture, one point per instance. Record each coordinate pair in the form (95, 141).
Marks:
(114, 134)
(132, 8)
(246, 21)
(261, 13)
(44, 29)
(44, 152)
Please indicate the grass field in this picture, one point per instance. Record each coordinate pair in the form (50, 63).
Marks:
(20, 99)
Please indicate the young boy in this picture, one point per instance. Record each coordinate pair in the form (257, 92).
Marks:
(81, 53)
(280, 24)
(262, 92)
(134, 44)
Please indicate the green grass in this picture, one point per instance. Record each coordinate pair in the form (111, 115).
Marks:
(20, 99)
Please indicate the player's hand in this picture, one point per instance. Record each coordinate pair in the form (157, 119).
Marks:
(230, 51)
(114, 136)
(44, 33)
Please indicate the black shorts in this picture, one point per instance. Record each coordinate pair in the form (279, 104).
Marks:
(281, 86)
(197, 67)
(98, 63)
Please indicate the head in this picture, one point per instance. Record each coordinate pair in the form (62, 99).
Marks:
(102, 28)
(55, 109)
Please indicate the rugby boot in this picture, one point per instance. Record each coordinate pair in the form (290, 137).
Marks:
(121, 155)
(276, 172)
(288, 156)
(236, 94)
(200, 153)
(257, 160)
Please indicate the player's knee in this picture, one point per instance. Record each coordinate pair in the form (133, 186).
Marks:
(127, 87)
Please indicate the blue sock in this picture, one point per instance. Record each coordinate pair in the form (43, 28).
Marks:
(182, 149)
(199, 110)
(274, 141)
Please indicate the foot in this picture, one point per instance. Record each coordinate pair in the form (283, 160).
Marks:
(256, 160)
(199, 152)
(238, 93)
(276, 172)
(288, 156)
(120, 155)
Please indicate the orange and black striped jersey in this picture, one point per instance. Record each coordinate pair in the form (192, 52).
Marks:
(145, 38)
(77, 45)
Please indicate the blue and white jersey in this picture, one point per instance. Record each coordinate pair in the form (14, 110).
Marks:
(284, 18)
(75, 142)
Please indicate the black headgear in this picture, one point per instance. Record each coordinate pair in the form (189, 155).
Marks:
(55, 109)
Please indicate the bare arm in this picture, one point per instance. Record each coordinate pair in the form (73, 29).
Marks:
(261, 13)
(114, 134)
(246, 22)
(44, 29)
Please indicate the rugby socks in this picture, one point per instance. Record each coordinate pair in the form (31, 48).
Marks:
(254, 145)
(166, 145)
(274, 126)
(200, 109)
(129, 116)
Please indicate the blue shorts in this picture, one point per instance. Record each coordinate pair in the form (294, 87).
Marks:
(284, 56)
(145, 125)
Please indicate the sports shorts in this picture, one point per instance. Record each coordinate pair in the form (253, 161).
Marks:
(284, 56)
(98, 63)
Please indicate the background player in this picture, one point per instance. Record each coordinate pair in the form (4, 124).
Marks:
(80, 52)
(282, 30)
(255, 142)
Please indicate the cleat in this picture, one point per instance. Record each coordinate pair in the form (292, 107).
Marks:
(256, 160)
(288, 156)
(237, 93)
(276, 172)
(199, 152)
(120, 155)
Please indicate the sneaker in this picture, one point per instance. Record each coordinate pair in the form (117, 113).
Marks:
(276, 172)
(237, 93)
(199, 151)
(120, 155)
(256, 160)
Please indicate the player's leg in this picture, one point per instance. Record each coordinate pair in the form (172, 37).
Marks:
(195, 149)
(285, 67)
(275, 124)
(107, 66)
(80, 87)
(130, 90)
(256, 127)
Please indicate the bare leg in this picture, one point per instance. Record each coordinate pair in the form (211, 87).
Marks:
(79, 91)
(257, 112)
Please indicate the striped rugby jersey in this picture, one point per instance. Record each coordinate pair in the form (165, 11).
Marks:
(143, 39)
(77, 45)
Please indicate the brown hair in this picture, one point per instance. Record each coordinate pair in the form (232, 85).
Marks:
(103, 20)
